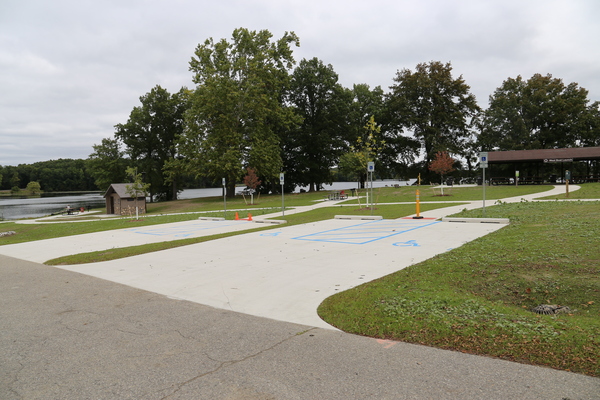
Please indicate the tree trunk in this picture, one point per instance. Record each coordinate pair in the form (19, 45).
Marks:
(442, 184)
(231, 189)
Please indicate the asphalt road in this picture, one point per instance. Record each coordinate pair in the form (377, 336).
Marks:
(65, 335)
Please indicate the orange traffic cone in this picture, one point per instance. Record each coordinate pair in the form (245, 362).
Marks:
(249, 217)
(237, 217)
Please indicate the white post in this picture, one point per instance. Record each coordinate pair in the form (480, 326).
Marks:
(224, 199)
(484, 192)
(483, 164)
(371, 169)
(281, 180)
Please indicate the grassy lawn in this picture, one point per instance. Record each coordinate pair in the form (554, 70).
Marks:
(477, 298)
(216, 203)
(586, 191)
(455, 193)
(382, 195)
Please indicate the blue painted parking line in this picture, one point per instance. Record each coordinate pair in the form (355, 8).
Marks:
(366, 232)
(183, 231)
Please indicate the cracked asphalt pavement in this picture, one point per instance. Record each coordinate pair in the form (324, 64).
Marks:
(65, 335)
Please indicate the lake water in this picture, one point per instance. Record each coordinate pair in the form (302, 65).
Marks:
(51, 203)
(16, 208)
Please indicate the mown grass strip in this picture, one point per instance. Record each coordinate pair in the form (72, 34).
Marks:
(455, 193)
(478, 298)
(586, 191)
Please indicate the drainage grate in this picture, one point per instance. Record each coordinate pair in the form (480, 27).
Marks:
(548, 309)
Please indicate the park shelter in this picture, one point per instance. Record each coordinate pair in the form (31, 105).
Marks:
(545, 165)
(120, 203)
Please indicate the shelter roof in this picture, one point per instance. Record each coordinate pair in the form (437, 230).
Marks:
(544, 155)
(120, 189)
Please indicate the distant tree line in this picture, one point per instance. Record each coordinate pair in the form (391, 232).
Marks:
(252, 107)
(52, 176)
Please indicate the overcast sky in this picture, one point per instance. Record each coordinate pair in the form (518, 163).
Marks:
(72, 69)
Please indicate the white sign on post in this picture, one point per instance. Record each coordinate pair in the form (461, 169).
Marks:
(483, 159)
(371, 169)
(483, 164)
(224, 199)
(281, 178)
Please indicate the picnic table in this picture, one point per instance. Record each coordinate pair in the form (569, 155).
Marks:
(74, 211)
(337, 195)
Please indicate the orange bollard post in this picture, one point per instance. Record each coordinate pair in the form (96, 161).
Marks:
(249, 217)
(237, 217)
(418, 216)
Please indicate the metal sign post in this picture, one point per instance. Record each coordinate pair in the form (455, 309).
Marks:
(371, 169)
(483, 164)
(281, 181)
(224, 199)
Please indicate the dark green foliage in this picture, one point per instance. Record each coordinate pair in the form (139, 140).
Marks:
(311, 150)
(540, 113)
(237, 110)
(107, 163)
(149, 136)
(53, 176)
(437, 108)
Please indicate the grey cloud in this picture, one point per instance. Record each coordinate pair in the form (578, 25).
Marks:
(72, 69)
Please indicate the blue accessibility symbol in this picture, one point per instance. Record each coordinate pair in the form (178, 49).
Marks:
(410, 243)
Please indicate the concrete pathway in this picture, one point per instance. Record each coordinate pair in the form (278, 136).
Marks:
(48, 249)
(287, 272)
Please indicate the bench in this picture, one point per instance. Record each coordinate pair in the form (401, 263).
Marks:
(336, 195)
(502, 181)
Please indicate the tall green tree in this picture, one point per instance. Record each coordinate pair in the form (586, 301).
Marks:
(367, 103)
(136, 188)
(15, 180)
(107, 163)
(433, 106)
(366, 108)
(590, 132)
(149, 136)
(237, 109)
(315, 147)
(33, 187)
(540, 113)
(394, 151)
(366, 148)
